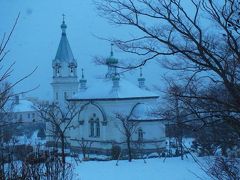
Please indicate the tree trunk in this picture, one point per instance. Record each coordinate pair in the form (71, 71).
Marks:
(63, 149)
(63, 156)
(179, 128)
(129, 149)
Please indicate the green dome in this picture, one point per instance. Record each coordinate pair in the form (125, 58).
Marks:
(111, 60)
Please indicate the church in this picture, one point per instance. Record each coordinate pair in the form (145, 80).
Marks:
(113, 108)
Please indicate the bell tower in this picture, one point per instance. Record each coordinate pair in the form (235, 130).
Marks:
(65, 80)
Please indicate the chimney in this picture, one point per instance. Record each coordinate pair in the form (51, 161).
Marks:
(16, 99)
(141, 80)
(115, 81)
(83, 82)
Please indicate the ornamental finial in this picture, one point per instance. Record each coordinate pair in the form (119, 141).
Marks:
(63, 26)
(63, 15)
(112, 49)
(82, 73)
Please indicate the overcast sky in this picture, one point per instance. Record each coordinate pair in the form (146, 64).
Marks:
(37, 35)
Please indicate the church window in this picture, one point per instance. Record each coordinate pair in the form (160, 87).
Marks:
(97, 134)
(58, 71)
(140, 135)
(91, 123)
(94, 126)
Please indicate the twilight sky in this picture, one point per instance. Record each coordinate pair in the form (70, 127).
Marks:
(37, 35)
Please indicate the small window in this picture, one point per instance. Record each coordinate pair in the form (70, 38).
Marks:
(65, 95)
(97, 128)
(56, 96)
(33, 115)
(58, 70)
(140, 135)
(28, 116)
(91, 128)
(94, 126)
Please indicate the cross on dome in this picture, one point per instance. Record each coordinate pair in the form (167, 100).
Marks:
(63, 15)
(112, 49)
(82, 73)
(141, 74)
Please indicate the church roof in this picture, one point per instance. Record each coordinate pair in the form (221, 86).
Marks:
(64, 52)
(23, 106)
(145, 111)
(19, 106)
(102, 89)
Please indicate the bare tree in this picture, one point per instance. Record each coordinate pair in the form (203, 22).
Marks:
(7, 92)
(169, 30)
(201, 43)
(59, 120)
(173, 113)
(128, 128)
(85, 146)
(36, 164)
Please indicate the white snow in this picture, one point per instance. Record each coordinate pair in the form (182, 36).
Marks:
(23, 106)
(34, 140)
(154, 169)
(102, 89)
(145, 111)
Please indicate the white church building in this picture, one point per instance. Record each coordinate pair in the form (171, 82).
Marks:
(105, 102)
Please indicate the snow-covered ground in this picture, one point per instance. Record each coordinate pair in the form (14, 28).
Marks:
(154, 169)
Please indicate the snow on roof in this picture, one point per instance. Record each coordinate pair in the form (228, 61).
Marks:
(103, 89)
(23, 106)
(145, 111)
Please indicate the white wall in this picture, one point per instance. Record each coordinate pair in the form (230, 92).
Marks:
(153, 131)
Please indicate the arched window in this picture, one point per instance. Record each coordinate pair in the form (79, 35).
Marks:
(140, 135)
(91, 126)
(97, 130)
(58, 71)
(94, 126)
